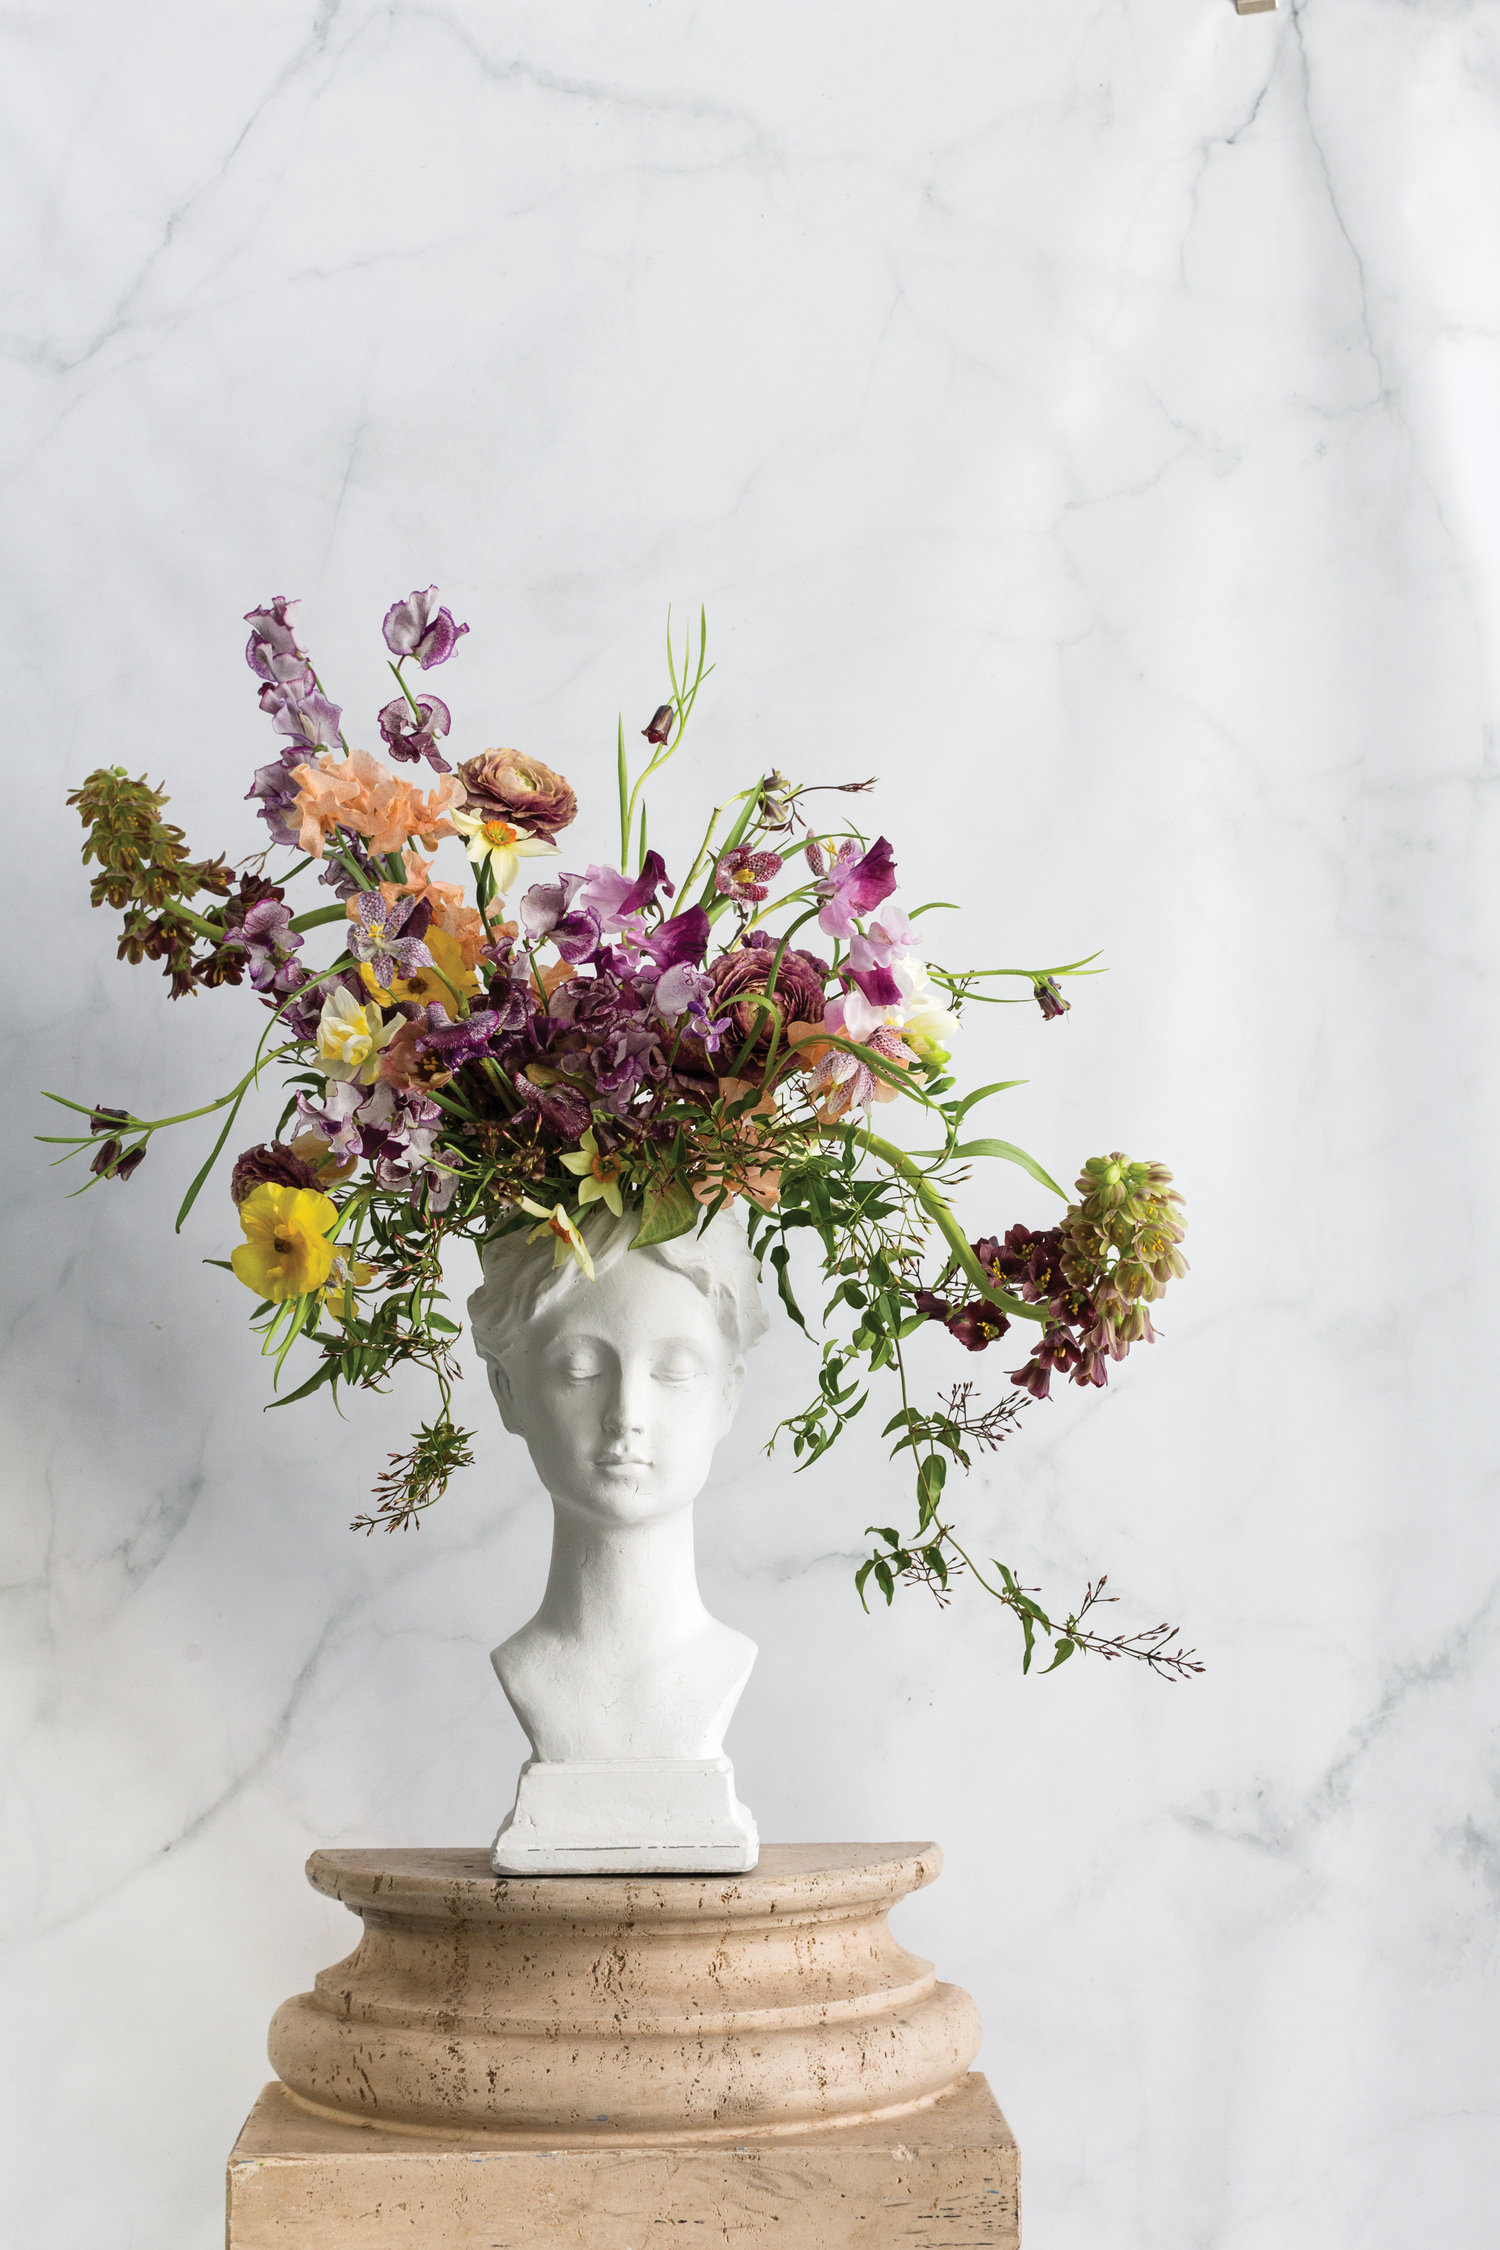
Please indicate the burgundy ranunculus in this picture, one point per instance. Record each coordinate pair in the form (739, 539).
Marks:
(273, 1163)
(415, 628)
(504, 785)
(799, 991)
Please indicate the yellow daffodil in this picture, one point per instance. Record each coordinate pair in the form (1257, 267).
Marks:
(502, 844)
(598, 1176)
(446, 978)
(285, 1252)
(343, 1279)
(567, 1243)
(350, 1037)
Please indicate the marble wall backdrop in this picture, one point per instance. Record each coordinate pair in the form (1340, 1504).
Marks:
(1082, 416)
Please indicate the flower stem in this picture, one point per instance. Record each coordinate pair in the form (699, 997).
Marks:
(937, 1210)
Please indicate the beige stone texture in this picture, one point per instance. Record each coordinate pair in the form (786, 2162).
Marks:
(946, 2175)
(577, 2010)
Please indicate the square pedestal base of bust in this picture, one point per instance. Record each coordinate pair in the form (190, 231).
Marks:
(939, 2176)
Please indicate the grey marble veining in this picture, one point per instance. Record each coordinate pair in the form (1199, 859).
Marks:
(1083, 418)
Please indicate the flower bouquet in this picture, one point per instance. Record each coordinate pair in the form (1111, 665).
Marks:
(474, 1058)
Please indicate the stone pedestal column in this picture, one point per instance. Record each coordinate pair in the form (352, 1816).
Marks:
(583, 2059)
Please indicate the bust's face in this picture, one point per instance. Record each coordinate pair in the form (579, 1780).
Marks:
(623, 1392)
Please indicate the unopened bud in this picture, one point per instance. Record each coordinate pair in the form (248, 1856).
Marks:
(661, 723)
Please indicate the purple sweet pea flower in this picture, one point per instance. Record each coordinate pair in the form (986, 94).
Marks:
(268, 942)
(684, 938)
(408, 739)
(559, 1110)
(277, 792)
(626, 1061)
(412, 628)
(618, 899)
(550, 910)
(678, 987)
(389, 936)
(272, 634)
(854, 887)
(311, 720)
(458, 1043)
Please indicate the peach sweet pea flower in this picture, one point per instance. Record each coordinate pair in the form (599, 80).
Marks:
(358, 792)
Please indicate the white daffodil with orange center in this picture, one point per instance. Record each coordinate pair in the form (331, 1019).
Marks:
(567, 1242)
(598, 1176)
(500, 845)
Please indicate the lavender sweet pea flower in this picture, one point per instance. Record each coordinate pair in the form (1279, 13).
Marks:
(678, 987)
(854, 887)
(618, 899)
(409, 738)
(549, 910)
(268, 942)
(376, 935)
(311, 720)
(272, 634)
(277, 792)
(412, 628)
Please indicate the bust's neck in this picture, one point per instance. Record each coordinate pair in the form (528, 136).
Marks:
(632, 1584)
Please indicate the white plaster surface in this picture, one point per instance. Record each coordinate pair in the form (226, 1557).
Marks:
(1085, 418)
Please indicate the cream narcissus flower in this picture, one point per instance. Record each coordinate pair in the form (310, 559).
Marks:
(285, 1252)
(567, 1241)
(350, 1038)
(925, 1021)
(500, 844)
(598, 1176)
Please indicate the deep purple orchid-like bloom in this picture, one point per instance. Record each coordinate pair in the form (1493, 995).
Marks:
(388, 934)
(269, 941)
(415, 628)
(855, 886)
(552, 910)
(559, 1110)
(411, 735)
(681, 940)
(461, 1042)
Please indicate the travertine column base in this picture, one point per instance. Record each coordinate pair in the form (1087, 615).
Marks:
(593, 2008)
(947, 2174)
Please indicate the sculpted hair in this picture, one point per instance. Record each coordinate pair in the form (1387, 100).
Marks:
(521, 1283)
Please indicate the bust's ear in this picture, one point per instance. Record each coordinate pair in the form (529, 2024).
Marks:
(505, 1399)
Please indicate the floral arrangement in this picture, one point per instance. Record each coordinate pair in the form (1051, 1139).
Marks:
(471, 1058)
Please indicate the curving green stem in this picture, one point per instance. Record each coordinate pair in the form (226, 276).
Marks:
(937, 1210)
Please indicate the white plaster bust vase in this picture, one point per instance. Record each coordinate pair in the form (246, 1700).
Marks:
(622, 1388)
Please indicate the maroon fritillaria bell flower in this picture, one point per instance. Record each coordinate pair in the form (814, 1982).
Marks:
(661, 724)
(416, 628)
(747, 875)
(1048, 996)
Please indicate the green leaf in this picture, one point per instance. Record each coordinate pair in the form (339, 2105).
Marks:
(960, 1110)
(779, 1258)
(1008, 1151)
(1065, 1649)
(669, 1211)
